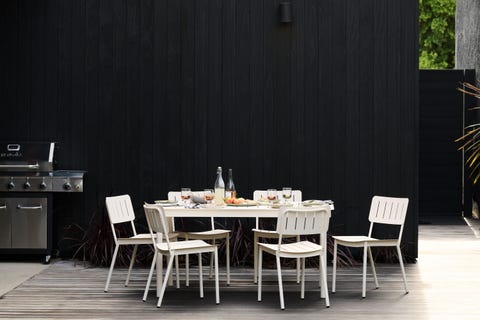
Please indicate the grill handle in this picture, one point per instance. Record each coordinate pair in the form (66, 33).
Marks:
(19, 207)
(3, 206)
(19, 166)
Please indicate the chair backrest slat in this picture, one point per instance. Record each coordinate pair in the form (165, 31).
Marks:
(177, 196)
(303, 221)
(388, 210)
(296, 195)
(120, 209)
(259, 194)
(156, 222)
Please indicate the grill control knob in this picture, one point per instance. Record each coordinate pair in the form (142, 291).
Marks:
(26, 185)
(10, 185)
(67, 186)
(43, 185)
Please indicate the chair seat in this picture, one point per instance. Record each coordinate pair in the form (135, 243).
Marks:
(297, 248)
(297, 221)
(188, 245)
(157, 224)
(143, 238)
(206, 234)
(358, 241)
(384, 211)
(271, 233)
(209, 235)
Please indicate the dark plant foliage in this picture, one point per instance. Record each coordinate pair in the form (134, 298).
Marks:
(471, 139)
(95, 243)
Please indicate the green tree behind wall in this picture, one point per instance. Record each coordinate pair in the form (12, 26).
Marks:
(437, 34)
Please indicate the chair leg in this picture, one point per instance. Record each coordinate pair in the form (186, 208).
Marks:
(298, 263)
(170, 279)
(259, 279)
(210, 274)
(302, 290)
(334, 269)
(227, 245)
(165, 280)
(280, 284)
(217, 290)
(255, 257)
(319, 270)
(200, 274)
(132, 261)
(114, 257)
(147, 287)
(177, 273)
(364, 280)
(159, 266)
(400, 259)
(372, 263)
(187, 268)
(323, 274)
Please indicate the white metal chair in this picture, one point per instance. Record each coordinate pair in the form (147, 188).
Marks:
(383, 210)
(208, 235)
(270, 234)
(157, 224)
(120, 210)
(297, 221)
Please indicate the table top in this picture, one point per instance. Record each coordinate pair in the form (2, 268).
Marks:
(226, 211)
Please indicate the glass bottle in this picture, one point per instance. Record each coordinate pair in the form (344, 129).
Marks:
(230, 191)
(219, 188)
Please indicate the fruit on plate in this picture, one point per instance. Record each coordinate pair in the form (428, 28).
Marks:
(240, 201)
(234, 200)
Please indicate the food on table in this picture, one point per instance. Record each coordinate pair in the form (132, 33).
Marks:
(239, 201)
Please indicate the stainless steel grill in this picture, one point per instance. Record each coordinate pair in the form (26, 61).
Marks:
(27, 182)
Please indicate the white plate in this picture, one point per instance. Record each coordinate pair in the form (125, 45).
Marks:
(280, 205)
(308, 203)
(166, 203)
(241, 204)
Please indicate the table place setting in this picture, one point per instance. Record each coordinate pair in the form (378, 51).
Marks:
(197, 201)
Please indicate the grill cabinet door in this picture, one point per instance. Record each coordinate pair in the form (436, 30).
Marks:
(5, 225)
(29, 222)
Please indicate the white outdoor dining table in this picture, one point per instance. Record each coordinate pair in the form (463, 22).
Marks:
(226, 212)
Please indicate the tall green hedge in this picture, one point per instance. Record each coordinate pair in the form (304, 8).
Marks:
(437, 34)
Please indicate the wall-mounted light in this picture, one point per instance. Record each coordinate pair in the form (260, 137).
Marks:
(285, 9)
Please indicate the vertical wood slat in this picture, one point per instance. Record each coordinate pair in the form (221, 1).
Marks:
(159, 116)
(147, 121)
(162, 92)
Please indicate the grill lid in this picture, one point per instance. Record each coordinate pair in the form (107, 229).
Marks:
(26, 156)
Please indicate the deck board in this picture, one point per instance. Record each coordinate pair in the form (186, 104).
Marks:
(443, 285)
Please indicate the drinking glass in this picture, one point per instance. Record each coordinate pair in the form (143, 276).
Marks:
(209, 195)
(287, 194)
(185, 194)
(272, 194)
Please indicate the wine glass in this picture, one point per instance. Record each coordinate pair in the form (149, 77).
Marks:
(272, 194)
(287, 194)
(208, 194)
(185, 194)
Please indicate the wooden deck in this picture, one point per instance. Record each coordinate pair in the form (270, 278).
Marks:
(444, 284)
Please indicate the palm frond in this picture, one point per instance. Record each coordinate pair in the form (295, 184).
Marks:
(468, 134)
(470, 141)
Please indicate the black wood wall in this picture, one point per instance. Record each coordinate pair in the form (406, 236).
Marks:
(442, 111)
(153, 95)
